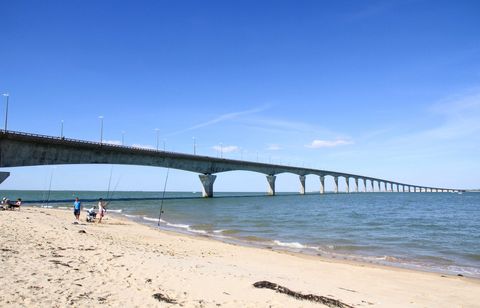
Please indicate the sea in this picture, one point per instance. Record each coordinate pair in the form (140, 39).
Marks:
(436, 232)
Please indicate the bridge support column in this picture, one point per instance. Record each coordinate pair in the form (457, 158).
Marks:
(364, 185)
(373, 185)
(403, 188)
(302, 184)
(207, 183)
(3, 176)
(356, 185)
(385, 186)
(398, 188)
(379, 188)
(335, 179)
(347, 183)
(271, 184)
(322, 184)
(391, 187)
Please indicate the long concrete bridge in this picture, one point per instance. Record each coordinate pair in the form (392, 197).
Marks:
(23, 149)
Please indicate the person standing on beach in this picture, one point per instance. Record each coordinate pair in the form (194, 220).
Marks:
(77, 207)
(102, 208)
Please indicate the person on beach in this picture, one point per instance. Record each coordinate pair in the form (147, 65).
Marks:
(102, 208)
(17, 204)
(77, 207)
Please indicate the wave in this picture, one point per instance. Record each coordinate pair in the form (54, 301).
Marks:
(115, 211)
(290, 245)
(150, 219)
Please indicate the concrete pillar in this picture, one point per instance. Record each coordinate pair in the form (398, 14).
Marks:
(356, 184)
(385, 186)
(398, 188)
(347, 182)
(322, 184)
(403, 188)
(271, 184)
(335, 179)
(379, 188)
(302, 184)
(207, 183)
(364, 185)
(373, 185)
(3, 176)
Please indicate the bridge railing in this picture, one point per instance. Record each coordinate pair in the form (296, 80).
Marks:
(80, 141)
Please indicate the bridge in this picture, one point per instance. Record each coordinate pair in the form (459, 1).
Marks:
(24, 149)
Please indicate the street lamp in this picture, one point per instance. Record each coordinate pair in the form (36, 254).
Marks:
(123, 137)
(221, 150)
(101, 129)
(158, 134)
(6, 110)
(194, 147)
(61, 130)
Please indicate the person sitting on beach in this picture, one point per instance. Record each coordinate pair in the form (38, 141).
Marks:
(77, 206)
(91, 214)
(102, 208)
(16, 204)
(4, 203)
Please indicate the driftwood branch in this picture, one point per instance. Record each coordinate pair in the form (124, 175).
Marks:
(163, 298)
(330, 302)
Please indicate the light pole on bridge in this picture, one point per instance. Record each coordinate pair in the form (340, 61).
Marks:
(7, 96)
(194, 146)
(61, 129)
(101, 129)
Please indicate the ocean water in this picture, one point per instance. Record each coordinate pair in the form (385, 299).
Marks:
(437, 232)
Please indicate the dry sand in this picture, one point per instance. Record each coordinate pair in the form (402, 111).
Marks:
(46, 261)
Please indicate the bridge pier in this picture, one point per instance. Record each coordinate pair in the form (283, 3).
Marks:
(385, 186)
(335, 179)
(207, 184)
(364, 185)
(302, 184)
(3, 176)
(372, 182)
(356, 185)
(379, 188)
(322, 184)
(347, 183)
(271, 184)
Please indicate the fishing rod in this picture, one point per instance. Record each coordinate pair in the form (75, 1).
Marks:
(49, 188)
(163, 197)
(113, 191)
(109, 182)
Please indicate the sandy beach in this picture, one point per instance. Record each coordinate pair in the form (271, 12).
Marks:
(47, 261)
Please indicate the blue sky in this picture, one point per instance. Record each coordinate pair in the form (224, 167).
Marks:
(388, 89)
